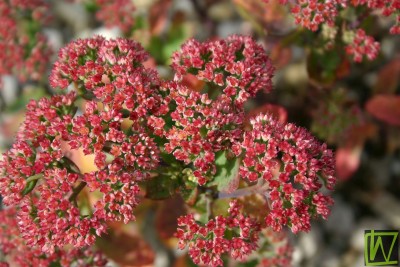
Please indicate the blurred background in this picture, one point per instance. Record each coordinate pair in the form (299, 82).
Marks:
(352, 106)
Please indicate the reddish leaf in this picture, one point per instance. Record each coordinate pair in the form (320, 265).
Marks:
(84, 162)
(343, 69)
(150, 63)
(278, 112)
(280, 55)
(192, 82)
(10, 124)
(167, 215)
(388, 77)
(255, 206)
(385, 108)
(126, 249)
(158, 16)
(263, 13)
(357, 135)
(347, 161)
(181, 261)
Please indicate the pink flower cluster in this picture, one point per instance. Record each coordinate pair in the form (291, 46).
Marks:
(280, 247)
(37, 174)
(37, 147)
(235, 69)
(312, 13)
(295, 166)
(388, 8)
(131, 119)
(113, 13)
(116, 13)
(235, 234)
(25, 52)
(363, 45)
(14, 249)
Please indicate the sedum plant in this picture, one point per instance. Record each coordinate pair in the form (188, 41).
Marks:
(154, 138)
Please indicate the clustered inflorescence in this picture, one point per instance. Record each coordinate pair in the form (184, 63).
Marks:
(13, 243)
(131, 120)
(117, 13)
(313, 13)
(24, 47)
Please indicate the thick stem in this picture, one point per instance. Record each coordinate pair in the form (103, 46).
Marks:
(204, 18)
(70, 165)
(260, 188)
(209, 202)
(34, 177)
(165, 257)
(76, 192)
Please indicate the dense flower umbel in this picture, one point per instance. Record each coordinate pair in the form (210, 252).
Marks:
(235, 69)
(363, 45)
(279, 244)
(311, 13)
(235, 234)
(237, 66)
(25, 52)
(46, 123)
(129, 121)
(387, 7)
(38, 145)
(110, 73)
(17, 165)
(200, 128)
(116, 13)
(294, 165)
(48, 219)
(15, 249)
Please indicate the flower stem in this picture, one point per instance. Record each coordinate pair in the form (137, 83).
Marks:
(209, 202)
(76, 192)
(255, 189)
(70, 165)
(34, 177)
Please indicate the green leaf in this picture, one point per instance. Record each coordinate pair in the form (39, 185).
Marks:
(176, 37)
(160, 187)
(91, 6)
(21, 102)
(190, 195)
(227, 172)
(55, 264)
(161, 48)
(140, 22)
(29, 187)
(155, 49)
(322, 67)
(252, 263)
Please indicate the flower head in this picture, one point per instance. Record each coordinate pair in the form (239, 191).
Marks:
(15, 249)
(294, 165)
(38, 175)
(363, 45)
(235, 234)
(237, 66)
(25, 51)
